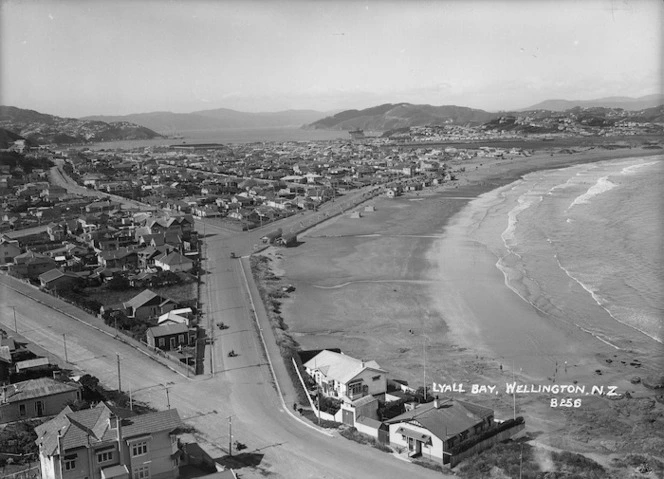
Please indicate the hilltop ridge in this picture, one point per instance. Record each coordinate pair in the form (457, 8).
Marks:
(41, 128)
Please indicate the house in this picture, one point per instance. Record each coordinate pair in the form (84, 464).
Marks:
(31, 264)
(56, 231)
(148, 304)
(168, 337)
(433, 429)
(96, 444)
(174, 262)
(57, 280)
(120, 259)
(36, 398)
(344, 377)
(9, 249)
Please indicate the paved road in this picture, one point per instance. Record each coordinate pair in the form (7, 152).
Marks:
(241, 387)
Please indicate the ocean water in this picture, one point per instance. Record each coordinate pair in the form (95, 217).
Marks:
(235, 136)
(583, 245)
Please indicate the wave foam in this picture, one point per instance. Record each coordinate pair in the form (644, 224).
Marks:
(602, 186)
(633, 168)
(602, 304)
(524, 202)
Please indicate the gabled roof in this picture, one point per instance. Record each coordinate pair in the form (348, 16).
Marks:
(54, 274)
(174, 258)
(36, 388)
(142, 298)
(117, 254)
(90, 426)
(450, 418)
(168, 329)
(340, 367)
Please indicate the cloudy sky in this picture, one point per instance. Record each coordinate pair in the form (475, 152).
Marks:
(75, 58)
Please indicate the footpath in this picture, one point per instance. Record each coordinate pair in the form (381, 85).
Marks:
(81, 316)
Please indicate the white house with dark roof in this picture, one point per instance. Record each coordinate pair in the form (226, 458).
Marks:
(174, 261)
(36, 398)
(346, 378)
(96, 444)
(432, 429)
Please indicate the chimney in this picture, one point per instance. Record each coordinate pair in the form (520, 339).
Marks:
(115, 424)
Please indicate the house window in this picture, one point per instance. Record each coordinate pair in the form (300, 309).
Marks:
(162, 342)
(355, 388)
(21, 409)
(104, 456)
(141, 472)
(69, 463)
(139, 448)
(375, 378)
(181, 338)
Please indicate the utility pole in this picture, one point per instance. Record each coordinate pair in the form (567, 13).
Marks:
(64, 340)
(15, 325)
(424, 351)
(119, 377)
(513, 394)
(230, 437)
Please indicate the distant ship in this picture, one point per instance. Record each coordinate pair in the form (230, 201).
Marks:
(356, 134)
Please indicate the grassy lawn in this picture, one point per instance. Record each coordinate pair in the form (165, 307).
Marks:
(185, 291)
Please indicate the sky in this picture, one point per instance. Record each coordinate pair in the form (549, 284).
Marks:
(115, 57)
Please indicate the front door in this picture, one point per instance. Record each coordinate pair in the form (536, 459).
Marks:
(39, 406)
(172, 343)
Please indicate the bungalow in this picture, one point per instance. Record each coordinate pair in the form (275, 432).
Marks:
(59, 280)
(168, 337)
(96, 444)
(148, 304)
(174, 262)
(36, 398)
(433, 429)
(345, 377)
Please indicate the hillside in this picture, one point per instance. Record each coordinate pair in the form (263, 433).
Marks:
(7, 138)
(626, 103)
(168, 123)
(393, 116)
(40, 128)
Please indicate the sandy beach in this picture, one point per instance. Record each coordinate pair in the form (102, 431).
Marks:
(380, 287)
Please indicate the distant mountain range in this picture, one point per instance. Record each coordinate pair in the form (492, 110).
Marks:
(169, 123)
(40, 128)
(624, 102)
(392, 116)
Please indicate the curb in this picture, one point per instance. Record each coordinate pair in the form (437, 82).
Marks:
(269, 361)
(118, 338)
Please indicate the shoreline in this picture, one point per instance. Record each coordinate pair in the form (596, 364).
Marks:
(368, 292)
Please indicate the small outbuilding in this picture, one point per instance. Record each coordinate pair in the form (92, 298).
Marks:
(272, 236)
(289, 239)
